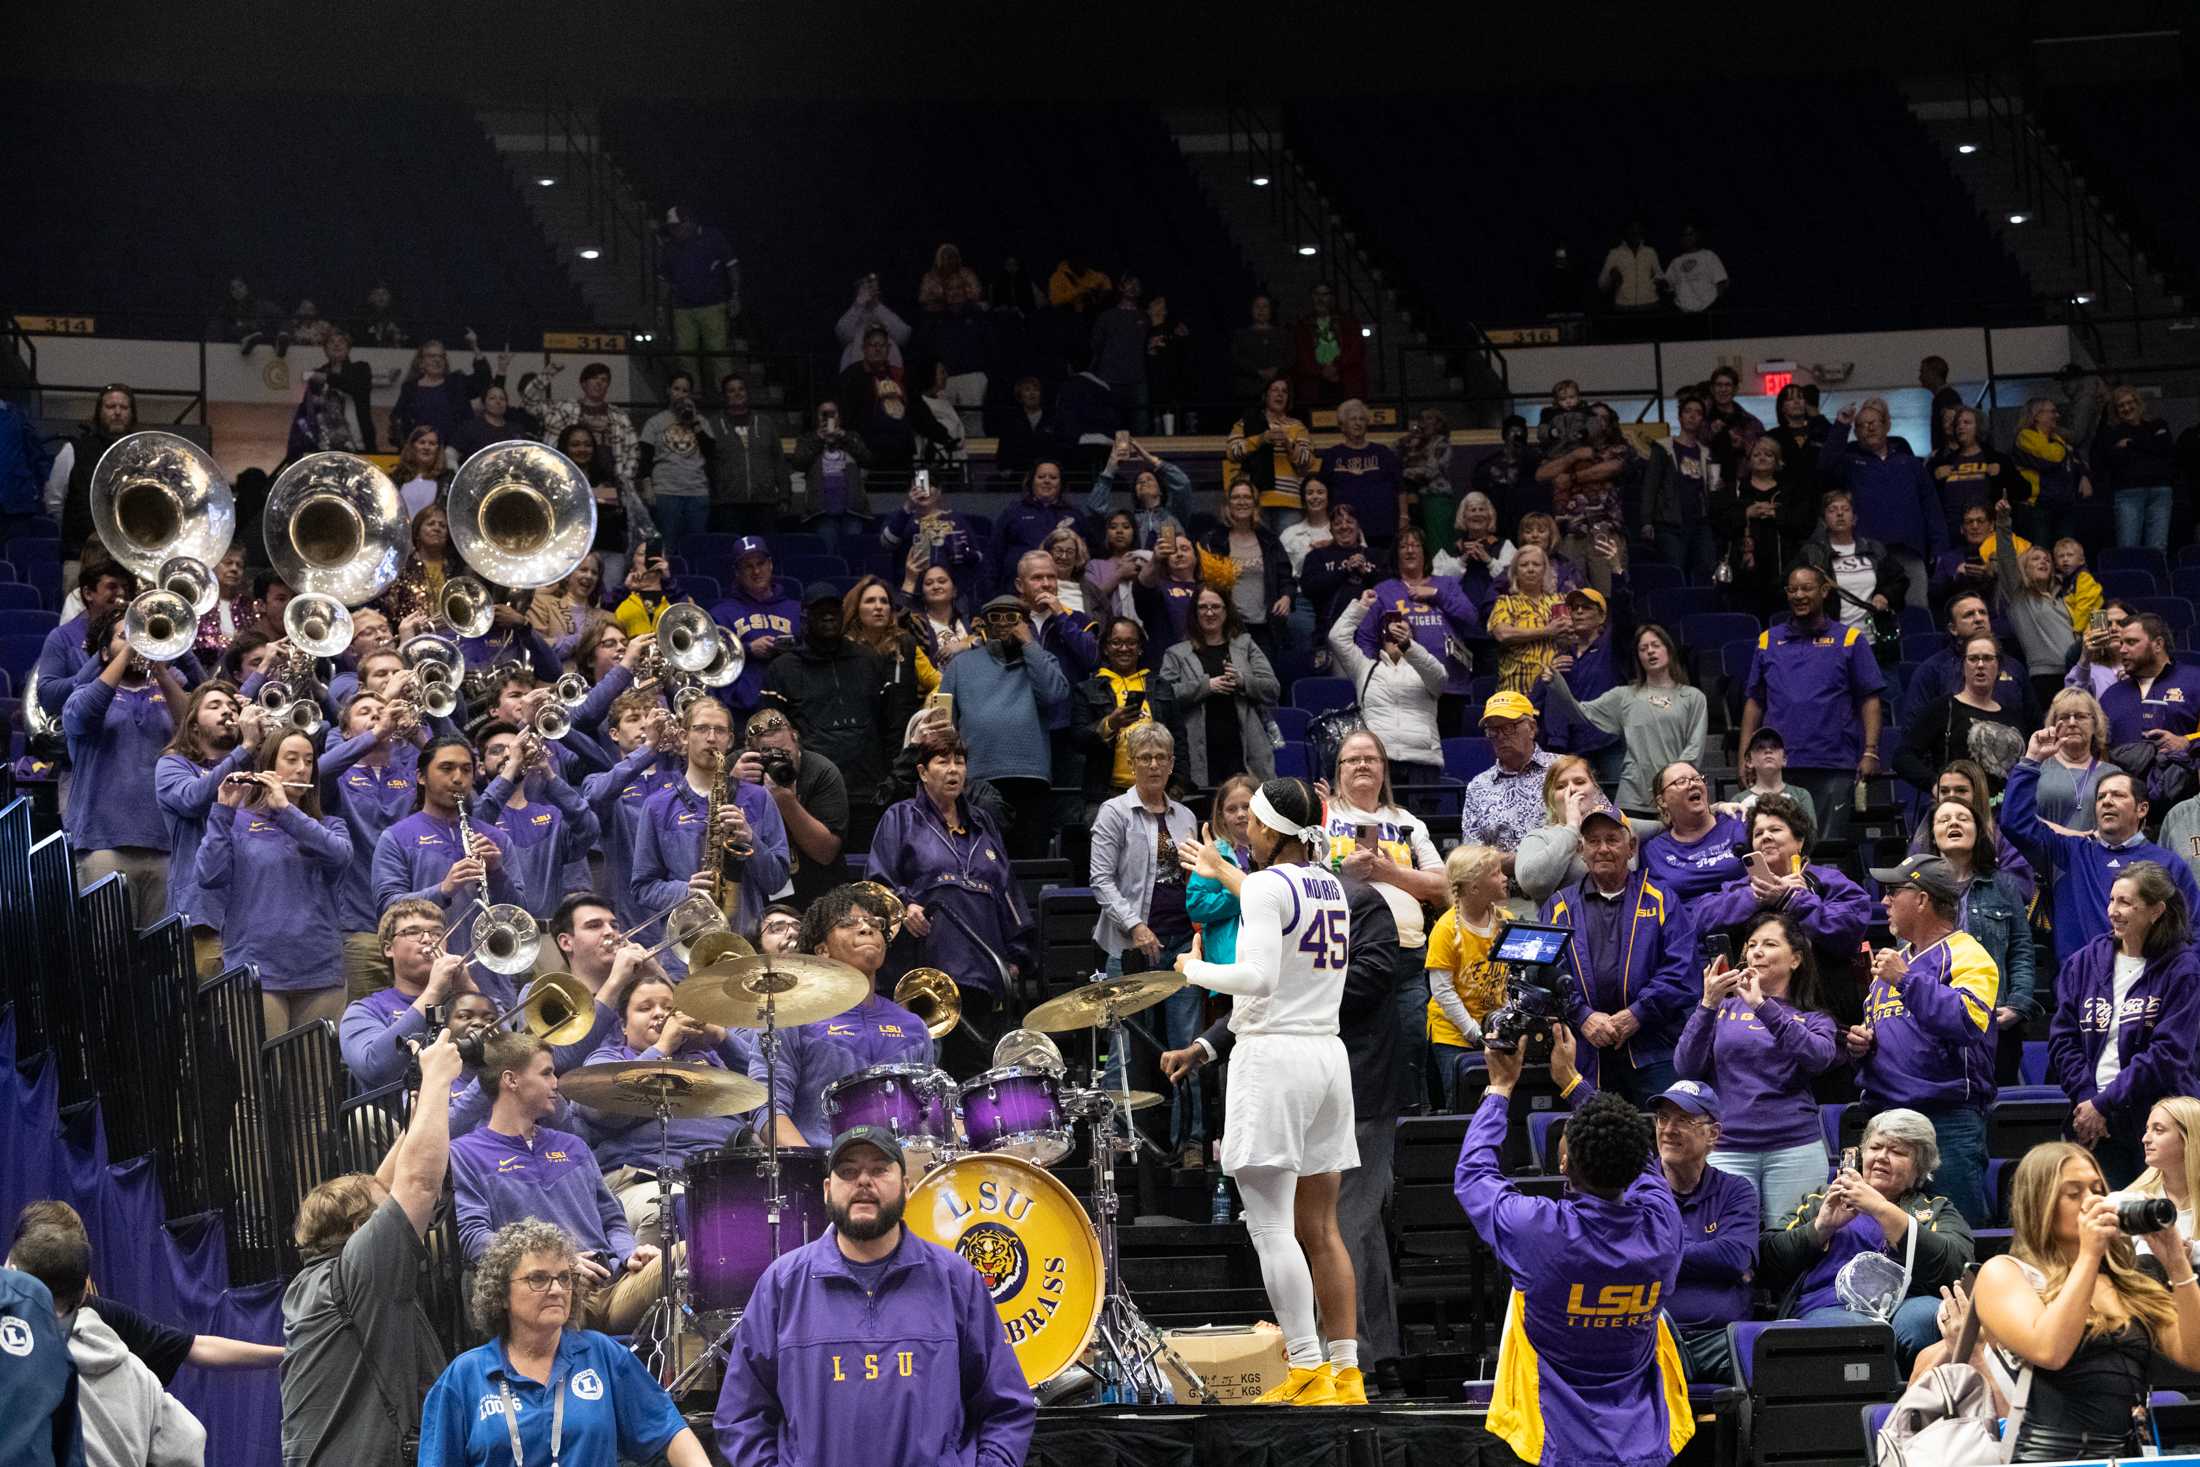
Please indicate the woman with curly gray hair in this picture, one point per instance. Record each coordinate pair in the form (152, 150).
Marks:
(541, 1389)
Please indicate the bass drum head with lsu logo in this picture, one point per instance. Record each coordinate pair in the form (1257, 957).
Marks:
(1030, 1240)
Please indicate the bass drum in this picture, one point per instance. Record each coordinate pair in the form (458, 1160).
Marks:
(1030, 1240)
(729, 1221)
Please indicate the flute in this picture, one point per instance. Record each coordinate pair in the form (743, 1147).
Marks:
(254, 779)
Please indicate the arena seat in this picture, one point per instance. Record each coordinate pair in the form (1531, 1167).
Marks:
(2175, 610)
(16, 596)
(2130, 583)
(16, 621)
(1708, 629)
(2132, 557)
(1806, 1382)
(298, 216)
(1464, 758)
(2032, 1064)
(1291, 722)
(1321, 694)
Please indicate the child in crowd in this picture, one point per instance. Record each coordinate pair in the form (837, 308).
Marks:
(1565, 423)
(1764, 763)
(2075, 584)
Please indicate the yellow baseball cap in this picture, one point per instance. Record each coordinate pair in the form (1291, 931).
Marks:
(1507, 705)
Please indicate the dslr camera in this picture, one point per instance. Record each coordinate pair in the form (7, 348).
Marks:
(778, 765)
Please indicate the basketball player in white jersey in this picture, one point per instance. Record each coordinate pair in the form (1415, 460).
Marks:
(1287, 1119)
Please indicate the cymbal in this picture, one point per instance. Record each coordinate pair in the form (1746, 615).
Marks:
(801, 989)
(637, 1087)
(1096, 1003)
(1099, 1101)
(714, 947)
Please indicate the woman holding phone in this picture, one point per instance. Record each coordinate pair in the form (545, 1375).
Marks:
(1759, 1038)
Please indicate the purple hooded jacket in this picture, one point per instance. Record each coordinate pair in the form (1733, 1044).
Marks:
(2157, 1032)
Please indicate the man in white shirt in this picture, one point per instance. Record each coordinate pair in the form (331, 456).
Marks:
(1696, 277)
(1631, 271)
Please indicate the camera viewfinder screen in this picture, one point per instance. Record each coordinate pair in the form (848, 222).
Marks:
(1526, 942)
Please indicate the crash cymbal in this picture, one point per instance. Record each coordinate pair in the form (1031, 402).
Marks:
(713, 947)
(638, 1087)
(800, 988)
(1096, 1003)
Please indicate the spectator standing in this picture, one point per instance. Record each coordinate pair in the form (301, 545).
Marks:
(1119, 350)
(1660, 717)
(1967, 724)
(2065, 793)
(1335, 574)
(1696, 277)
(843, 699)
(1273, 449)
(1505, 801)
(497, 421)
(1159, 490)
(833, 458)
(1889, 486)
(1728, 427)
(612, 429)
(1829, 909)
(1797, 424)
(1868, 581)
(1629, 276)
(1942, 674)
(1259, 353)
(865, 314)
(359, 1351)
(925, 531)
(1027, 432)
(2138, 464)
(1261, 593)
(1678, 491)
(1366, 475)
(1400, 684)
(1694, 855)
(1226, 688)
(2158, 698)
(1007, 694)
(1968, 471)
(1994, 905)
(1484, 557)
(1550, 854)
(68, 496)
(1124, 695)
(2056, 477)
(1759, 1036)
(431, 397)
(700, 275)
(1328, 352)
(1024, 526)
(116, 723)
(1968, 565)
(1139, 879)
(1762, 522)
(674, 464)
(1529, 622)
(1927, 1040)
(2127, 1018)
(1818, 683)
(753, 476)
(759, 614)
(1632, 961)
(1439, 615)
(1424, 452)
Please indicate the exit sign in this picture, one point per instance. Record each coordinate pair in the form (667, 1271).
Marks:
(1775, 375)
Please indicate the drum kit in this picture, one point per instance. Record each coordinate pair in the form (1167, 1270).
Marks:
(977, 1155)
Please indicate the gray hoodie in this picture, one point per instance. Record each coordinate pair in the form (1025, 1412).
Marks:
(129, 1421)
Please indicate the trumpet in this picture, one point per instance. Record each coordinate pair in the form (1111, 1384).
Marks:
(429, 650)
(317, 625)
(933, 997)
(438, 699)
(572, 690)
(275, 696)
(304, 716)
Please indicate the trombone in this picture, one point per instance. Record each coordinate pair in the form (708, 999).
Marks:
(686, 921)
(556, 1008)
(933, 997)
(506, 939)
(552, 722)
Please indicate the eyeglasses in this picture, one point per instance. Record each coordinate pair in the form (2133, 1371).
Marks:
(1981, 659)
(1685, 782)
(543, 1283)
(417, 934)
(1153, 759)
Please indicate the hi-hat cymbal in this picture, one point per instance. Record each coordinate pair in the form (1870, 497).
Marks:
(1088, 1103)
(800, 989)
(640, 1087)
(1096, 1003)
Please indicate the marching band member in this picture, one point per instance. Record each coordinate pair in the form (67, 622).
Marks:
(871, 1345)
(948, 862)
(672, 857)
(117, 724)
(549, 824)
(377, 1029)
(621, 660)
(368, 779)
(515, 1167)
(276, 859)
(1288, 1116)
(779, 930)
(517, 695)
(212, 742)
(839, 925)
(627, 1145)
(649, 762)
(63, 660)
(419, 856)
(370, 635)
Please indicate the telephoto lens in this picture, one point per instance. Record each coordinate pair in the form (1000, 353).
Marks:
(2141, 1215)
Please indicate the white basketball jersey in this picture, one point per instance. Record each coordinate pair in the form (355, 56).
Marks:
(1295, 924)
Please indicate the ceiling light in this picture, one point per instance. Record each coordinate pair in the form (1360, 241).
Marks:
(2083, 298)
(1260, 180)
(1306, 249)
(1367, 331)
(589, 252)
(2019, 218)
(1966, 149)
(546, 181)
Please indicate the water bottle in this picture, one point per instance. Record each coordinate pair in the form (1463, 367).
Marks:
(1219, 1214)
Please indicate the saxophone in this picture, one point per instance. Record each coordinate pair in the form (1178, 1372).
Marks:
(715, 853)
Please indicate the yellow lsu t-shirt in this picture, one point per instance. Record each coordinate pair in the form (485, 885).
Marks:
(1463, 955)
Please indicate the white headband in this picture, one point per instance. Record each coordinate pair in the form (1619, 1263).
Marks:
(1315, 837)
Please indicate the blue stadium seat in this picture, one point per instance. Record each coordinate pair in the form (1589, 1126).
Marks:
(787, 543)
(702, 590)
(2132, 557)
(1707, 629)
(1917, 647)
(1464, 758)
(807, 568)
(1294, 760)
(1542, 1143)
(1829, 1120)
(15, 620)
(709, 545)
(2032, 1065)
(16, 596)
(1648, 577)
(2185, 581)
(1291, 722)
(1320, 694)
(2190, 555)
(2128, 583)
(1875, 1416)
(2176, 610)
(1915, 621)
(19, 653)
(1671, 608)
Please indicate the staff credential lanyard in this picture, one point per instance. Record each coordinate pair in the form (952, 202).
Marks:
(557, 1418)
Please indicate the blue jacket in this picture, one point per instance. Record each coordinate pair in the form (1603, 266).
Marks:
(187, 796)
(37, 1378)
(498, 1179)
(60, 660)
(2171, 702)
(1994, 913)
(2085, 868)
(1024, 526)
(1811, 684)
(750, 620)
(1655, 979)
(952, 874)
(277, 872)
(1894, 496)
(1832, 910)
(613, 1411)
(2157, 1033)
(1933, 1033)
(918, 1373)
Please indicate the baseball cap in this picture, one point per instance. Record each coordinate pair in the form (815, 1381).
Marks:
(1766, 734)
(1589, 594)
(818, 591)
(1604, 810)
(1693, 1096)
(1929, 874)
(749, 545)
(1507, 705)
(878, 1136)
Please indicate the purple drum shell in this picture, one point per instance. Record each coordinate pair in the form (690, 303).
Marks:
(729, 1227)
(893, 1096)
(1016, 1110)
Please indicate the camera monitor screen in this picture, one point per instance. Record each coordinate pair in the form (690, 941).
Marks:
(1530, 942)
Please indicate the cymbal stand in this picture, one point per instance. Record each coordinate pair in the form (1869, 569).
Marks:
(1132, 1348)
(661, 1327)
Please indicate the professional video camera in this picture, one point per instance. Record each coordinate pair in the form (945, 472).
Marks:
(1531, 952)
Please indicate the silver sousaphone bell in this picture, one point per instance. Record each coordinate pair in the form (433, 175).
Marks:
(335, 527)
(522, 514)
(157, 497)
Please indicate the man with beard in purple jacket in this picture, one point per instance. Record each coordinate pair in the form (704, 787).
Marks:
(871, 1344)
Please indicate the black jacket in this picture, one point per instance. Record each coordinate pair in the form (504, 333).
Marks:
(1367, 1017)
(1945, 1248)
(845, 704)
(1093, 700)
(1275, 561)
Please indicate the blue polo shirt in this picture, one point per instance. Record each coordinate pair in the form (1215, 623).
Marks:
(2172, 702)
(1811, 684)
(613, 1411)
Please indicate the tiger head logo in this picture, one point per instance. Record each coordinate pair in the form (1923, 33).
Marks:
(998, 1255)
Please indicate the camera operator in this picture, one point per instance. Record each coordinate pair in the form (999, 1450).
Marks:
(1631, 942)
(811, 796)
(1588, 1370)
